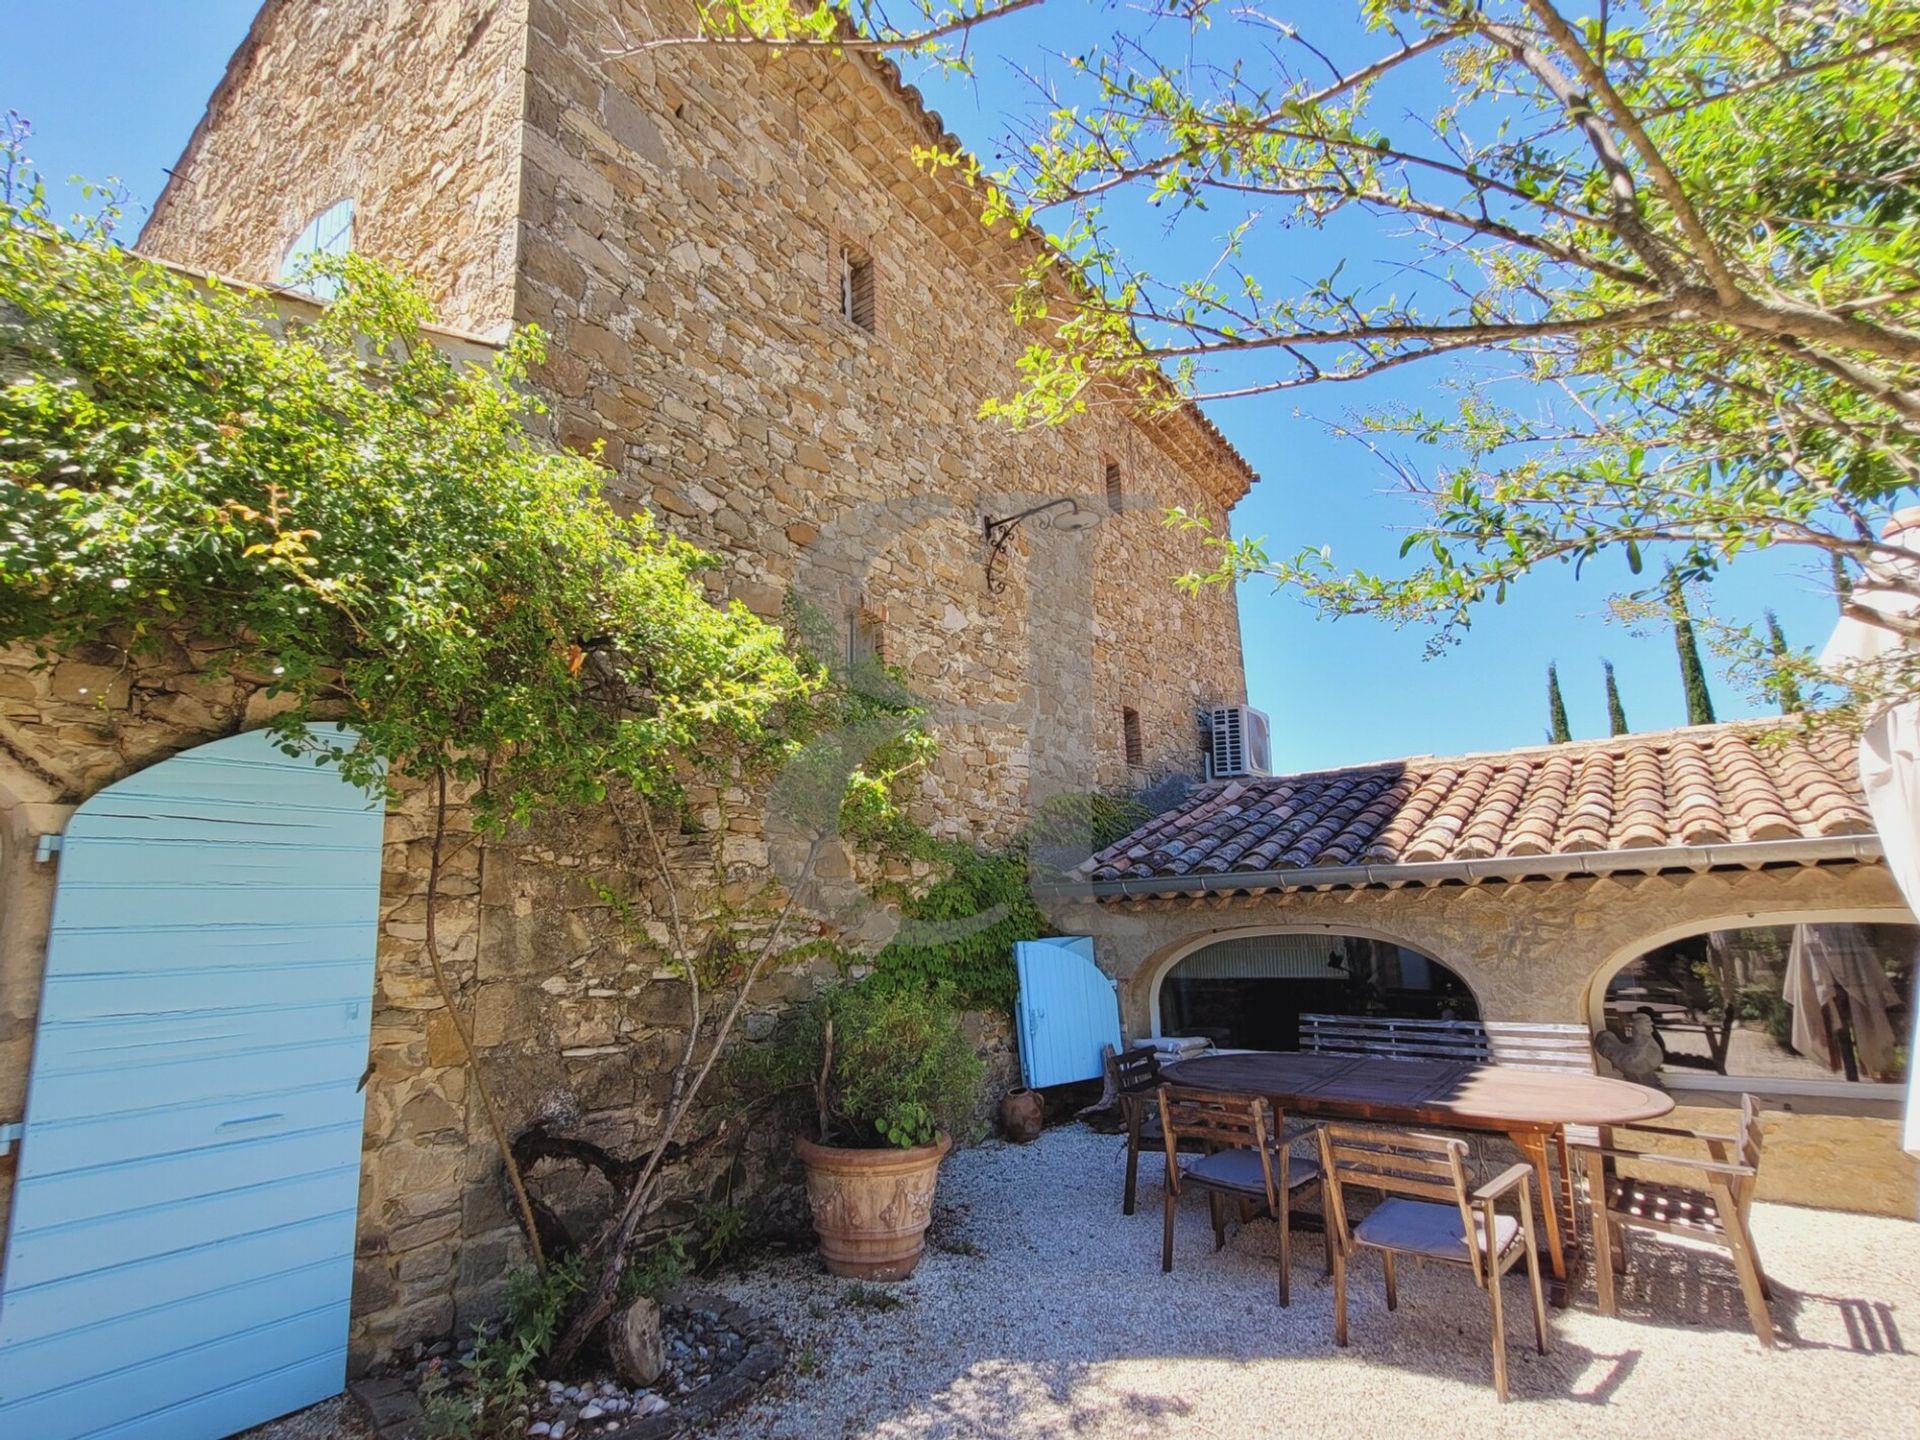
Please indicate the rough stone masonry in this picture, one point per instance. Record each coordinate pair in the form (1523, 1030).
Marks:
(682, 224)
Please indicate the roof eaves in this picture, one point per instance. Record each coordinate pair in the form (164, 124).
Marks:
(1189, 413)
(297, 304)
(1750, 855)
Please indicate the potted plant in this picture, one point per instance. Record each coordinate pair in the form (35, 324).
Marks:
(893, 1077)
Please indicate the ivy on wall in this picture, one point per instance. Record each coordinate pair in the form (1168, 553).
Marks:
(959, 930)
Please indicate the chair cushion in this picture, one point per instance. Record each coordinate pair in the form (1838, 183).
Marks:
(1240, 1170)
(1422, 1227)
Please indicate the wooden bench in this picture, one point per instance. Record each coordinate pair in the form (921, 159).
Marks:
(1526, 1045)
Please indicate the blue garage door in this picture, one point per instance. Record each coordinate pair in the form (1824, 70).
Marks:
(180, 1256)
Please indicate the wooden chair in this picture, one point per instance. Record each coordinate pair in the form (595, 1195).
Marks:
(1245, 1160)
(1428, 1211)
(1134, 1076)
(1715, 1210)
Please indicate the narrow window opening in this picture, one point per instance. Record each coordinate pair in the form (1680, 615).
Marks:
(866, 637)
(1113, 485)
(856, 287)
(1130, 736)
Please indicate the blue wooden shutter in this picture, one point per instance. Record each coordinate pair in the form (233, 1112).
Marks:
(180, 1257)
(1067, 1010)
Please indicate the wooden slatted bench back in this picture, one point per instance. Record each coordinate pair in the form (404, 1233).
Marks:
(1527, 1045)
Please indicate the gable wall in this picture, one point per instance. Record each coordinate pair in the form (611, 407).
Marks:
(411, 109)
(682, 209)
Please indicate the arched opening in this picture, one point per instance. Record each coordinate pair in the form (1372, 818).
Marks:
(1249, 992)
(1778, 1006)
(329, 234)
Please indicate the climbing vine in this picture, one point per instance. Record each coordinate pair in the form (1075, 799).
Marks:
(960, 928)
(959, 925)
(364, 523)
(367, 527)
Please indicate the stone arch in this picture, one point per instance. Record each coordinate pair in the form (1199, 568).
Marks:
(31, 805)
(1152, 975)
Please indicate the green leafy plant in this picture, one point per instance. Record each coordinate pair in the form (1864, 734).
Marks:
(658, 1271)
(726, 1234)
(364, 522)
(870, 1297)
(486, 1401)
(880, 1065)
(958, 930)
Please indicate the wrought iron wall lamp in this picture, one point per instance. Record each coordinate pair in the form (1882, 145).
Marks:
(1064, 513)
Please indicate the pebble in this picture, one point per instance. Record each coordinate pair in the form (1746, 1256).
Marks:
(699, 1347)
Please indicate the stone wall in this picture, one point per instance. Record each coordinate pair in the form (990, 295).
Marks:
(682, 211)
(576, 1018)
(674, 220)
(410, 109)
(1541, 950)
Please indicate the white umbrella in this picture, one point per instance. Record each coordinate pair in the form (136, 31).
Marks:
(1825, 964)
(1890, 764)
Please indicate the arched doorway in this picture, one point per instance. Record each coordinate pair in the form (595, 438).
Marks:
(1249, 992)
(1778, 1006)
(179, 1256)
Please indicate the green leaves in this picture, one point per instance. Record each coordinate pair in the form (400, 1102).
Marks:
(336, 505)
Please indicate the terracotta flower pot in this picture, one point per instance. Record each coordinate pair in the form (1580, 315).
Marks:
(871, 1207)
(1023, 1114)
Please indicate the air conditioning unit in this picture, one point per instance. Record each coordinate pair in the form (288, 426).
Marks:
(1240, 742)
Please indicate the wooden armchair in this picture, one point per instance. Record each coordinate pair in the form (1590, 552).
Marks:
(1245, 1161)
(1428, 1211)
(1715, 1210)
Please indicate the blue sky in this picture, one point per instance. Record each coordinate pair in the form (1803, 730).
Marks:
(114, 87)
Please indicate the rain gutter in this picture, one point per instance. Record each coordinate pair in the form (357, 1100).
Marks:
(1645, 859)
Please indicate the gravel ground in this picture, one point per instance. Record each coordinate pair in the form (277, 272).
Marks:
(1041, 1311)
(336, 1419)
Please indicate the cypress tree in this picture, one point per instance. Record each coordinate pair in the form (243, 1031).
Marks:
(1693, 675)
(1842, 582)
(1791, 701)
(1616, 716)
(1557, 731)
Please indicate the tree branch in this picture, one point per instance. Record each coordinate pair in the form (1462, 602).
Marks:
(1664, 180)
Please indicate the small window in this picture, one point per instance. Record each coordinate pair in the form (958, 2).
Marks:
(855, 275)
(1113, 485)
(328, 233)
(866, 637)
(1130, 736)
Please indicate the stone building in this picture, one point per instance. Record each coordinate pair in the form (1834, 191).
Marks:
(1532, 885)
(780, 329)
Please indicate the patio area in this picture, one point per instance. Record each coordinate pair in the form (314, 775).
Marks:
(1040, 1310)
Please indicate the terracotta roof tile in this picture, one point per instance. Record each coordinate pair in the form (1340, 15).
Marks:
(1711, 785)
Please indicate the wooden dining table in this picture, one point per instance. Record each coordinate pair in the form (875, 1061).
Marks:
(1532, 1108)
